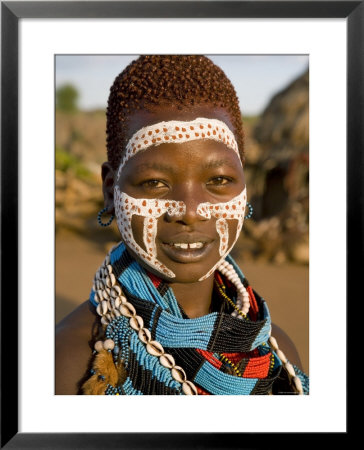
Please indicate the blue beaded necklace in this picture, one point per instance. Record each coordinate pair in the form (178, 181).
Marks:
(185, 340)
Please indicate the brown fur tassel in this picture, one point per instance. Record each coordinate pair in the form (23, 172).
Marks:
(104, 365)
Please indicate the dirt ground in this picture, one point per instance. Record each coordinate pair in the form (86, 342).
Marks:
(285, 287)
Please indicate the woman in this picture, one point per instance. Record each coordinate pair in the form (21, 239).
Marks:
(170, 312)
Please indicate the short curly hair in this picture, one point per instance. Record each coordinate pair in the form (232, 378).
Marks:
(181, 80)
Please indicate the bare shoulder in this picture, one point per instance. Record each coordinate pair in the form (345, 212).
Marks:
(287, 346)
(74, 348)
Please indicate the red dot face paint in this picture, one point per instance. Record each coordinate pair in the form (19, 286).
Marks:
(165, 132)
(151, 210)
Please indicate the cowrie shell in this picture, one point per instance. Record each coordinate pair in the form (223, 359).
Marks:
(290, 370)
(273, 343)
(109, 268)
(117, 302)
(115, 291)
(105, 295)
(104, 321)
(178, 374)
(127, 309)
(99, 309)
(100, 285)
(104, 307)
(281, 356)
(298, 384)
(136, 323)
(167, 361)
(144, 335)
(123, 299)
(110, 280)
(155, 348)
(189, 388)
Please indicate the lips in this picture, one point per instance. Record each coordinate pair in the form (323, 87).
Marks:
(187, 248)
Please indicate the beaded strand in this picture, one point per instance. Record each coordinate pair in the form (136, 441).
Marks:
(225, 359)
(293, 378)
(222, 292)
(242, 302)
(111, 304)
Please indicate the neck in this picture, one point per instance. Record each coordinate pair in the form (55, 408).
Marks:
(195, 298)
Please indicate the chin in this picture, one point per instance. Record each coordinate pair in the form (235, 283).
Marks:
(187, 276)
(185, 272)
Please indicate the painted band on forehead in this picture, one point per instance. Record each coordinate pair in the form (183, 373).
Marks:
(178, 132)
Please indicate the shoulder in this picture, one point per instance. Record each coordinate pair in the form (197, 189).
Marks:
(287, 346)
(73, 348)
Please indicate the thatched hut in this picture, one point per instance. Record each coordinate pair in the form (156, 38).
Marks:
(277, 175)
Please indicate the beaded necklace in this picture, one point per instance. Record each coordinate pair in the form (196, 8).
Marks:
(149, 345)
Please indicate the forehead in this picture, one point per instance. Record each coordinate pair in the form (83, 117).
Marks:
(156, 125)
(154, 114)
(193, 156)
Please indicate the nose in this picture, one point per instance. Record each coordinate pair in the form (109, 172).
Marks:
(191, 196)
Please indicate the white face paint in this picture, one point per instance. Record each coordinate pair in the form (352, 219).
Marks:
(231, 210)
(177, 132)
(152, 209)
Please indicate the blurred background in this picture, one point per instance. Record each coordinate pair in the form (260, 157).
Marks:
(273, 249)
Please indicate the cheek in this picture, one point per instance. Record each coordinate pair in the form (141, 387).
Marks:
(232, 226)
(137, 227)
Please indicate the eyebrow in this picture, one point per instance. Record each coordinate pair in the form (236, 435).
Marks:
(170, 169)
(156, 166)
(218, 163)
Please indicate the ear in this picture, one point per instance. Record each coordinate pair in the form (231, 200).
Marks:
(107, 173)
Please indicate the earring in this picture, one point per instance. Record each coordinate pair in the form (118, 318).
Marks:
(102, 224)
(250, 213)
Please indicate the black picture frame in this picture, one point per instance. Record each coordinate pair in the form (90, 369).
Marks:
(11, 13)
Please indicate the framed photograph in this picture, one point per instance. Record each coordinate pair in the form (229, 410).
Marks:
(34, 34)
(272, 249)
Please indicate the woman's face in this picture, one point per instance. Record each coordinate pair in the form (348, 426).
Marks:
(192, 172)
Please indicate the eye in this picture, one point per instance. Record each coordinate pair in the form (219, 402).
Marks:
(219, 181)
(154, 184)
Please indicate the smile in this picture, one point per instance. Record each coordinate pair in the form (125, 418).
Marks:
(187, 246)
(187, 252)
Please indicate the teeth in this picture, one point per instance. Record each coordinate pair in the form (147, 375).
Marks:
(186, 246)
